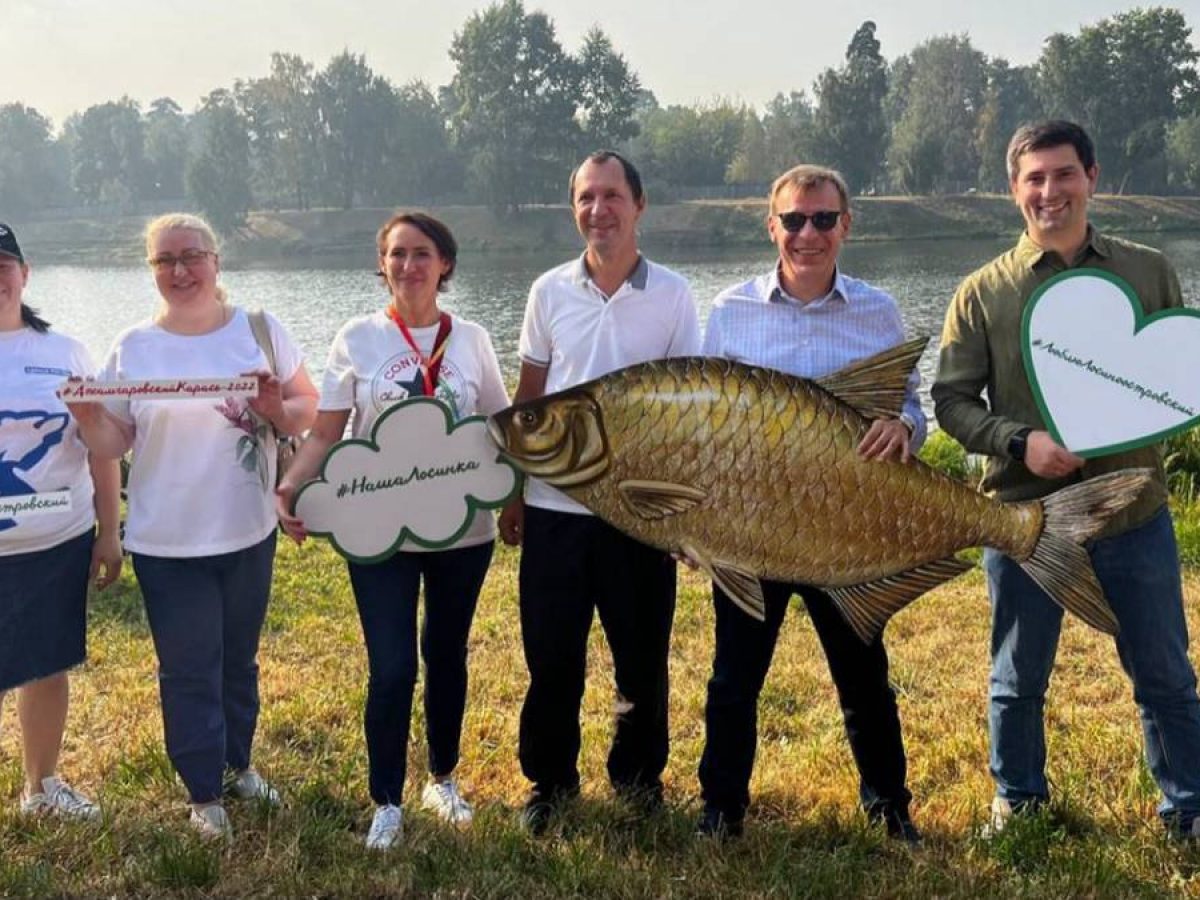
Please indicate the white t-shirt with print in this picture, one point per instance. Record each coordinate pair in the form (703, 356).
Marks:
(203, 474)
(40, 448)
(371, 367)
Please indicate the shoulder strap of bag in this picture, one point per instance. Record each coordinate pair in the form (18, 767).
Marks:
(262, 336)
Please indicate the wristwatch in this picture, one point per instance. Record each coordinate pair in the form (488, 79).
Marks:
(1016, 444)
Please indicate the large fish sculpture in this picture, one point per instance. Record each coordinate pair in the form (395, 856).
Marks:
(754, 474)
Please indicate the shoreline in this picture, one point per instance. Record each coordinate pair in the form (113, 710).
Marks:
(321, 234)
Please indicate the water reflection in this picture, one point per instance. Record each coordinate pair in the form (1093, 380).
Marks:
(96, 303)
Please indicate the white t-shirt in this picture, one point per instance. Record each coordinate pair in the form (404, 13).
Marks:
(371, 367)
(203, 472)
(571, 327)
(40, 448)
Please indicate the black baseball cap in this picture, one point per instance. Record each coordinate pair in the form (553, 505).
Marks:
(8, 243)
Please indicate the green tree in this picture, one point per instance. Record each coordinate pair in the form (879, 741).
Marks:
(353, 108)
(281, 113)
(420, 167)
(1124, 79)
(218, 174)
(1183, 154)
(608, 94)
(788, 127)
(106, 143)
(933, 145)
(1009, 99)
(166, 149)
(691, 146)
(850, 128)
(751, 163)
(512, 102)
(29, 174)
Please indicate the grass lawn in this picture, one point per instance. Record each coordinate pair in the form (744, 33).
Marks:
(805, 835)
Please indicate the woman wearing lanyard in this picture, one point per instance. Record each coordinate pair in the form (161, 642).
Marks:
(411, 348)
(46, 556)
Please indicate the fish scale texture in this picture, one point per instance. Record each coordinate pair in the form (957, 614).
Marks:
(786, 494)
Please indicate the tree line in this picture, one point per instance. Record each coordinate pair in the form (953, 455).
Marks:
(521, 109)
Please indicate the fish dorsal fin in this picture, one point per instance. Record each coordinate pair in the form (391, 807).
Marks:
(868, 606)
(875, 386)
(743, 587)
(659, 499)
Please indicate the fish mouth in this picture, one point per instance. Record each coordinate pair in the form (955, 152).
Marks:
(559, 439)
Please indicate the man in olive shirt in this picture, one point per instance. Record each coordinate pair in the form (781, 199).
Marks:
(1052, 174)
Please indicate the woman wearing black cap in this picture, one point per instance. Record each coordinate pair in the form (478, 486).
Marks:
(52, 494)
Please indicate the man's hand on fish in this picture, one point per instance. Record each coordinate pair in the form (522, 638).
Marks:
(1044, 457)
(886, 439)
(512, 522)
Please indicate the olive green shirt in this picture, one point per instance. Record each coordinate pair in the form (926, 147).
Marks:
(981, 354)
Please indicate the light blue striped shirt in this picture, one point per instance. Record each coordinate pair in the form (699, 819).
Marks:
(759, 324)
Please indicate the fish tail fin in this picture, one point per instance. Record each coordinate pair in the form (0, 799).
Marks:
(1059, 563)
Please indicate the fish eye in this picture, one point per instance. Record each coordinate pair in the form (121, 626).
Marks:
(527, 417)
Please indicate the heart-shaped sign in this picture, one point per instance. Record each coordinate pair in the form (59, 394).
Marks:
(1106, 376)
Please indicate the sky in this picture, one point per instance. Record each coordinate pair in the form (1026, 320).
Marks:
(61, 56)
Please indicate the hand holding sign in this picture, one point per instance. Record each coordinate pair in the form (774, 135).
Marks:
(420, 478)
(1106, 376)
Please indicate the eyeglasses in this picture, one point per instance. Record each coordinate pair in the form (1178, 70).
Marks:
(191, 259)
(824, 220)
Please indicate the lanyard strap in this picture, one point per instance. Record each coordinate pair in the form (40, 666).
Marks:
(431, 365)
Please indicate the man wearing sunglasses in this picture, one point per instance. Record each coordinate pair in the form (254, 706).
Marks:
(808, 318)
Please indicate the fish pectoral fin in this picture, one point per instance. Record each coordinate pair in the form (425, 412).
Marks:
(875, 386)
(869, 606)
(743, 588)
(659, 499)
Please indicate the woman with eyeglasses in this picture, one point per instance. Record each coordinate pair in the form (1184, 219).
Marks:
(409, 348)
(201, 519)
(52, 496)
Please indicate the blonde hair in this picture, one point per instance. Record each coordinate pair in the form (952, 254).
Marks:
(806, 176)
(184, 222)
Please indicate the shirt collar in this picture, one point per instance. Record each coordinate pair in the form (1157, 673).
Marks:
(1030, 254)
(777, 294)
(636, 280)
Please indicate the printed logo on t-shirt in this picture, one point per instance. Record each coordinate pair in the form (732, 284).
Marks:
(401, 377)
(25, 439)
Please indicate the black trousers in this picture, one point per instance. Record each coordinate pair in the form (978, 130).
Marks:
(386, 594)
(571, 565)
(744, 647)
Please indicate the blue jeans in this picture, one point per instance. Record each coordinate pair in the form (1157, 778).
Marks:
(1139, 571)
(386, 594)
(206, 614)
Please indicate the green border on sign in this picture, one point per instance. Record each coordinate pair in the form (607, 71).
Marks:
(1140, 321)
(473, 503)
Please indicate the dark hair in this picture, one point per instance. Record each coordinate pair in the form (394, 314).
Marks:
(1044, 135)
(632, 176)
(31, 318)
(434, 229)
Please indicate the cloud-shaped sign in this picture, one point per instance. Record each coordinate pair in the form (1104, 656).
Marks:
(419, 478)
(1106, 376)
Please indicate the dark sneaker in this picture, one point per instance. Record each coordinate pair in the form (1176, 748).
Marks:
(542, 806)
(1188, 833)
(715, 824)
(641, 800)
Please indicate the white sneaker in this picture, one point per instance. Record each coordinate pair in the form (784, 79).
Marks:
(59, 798)
(249, 785)
(212, 822)
(443, 798)
(386, 828)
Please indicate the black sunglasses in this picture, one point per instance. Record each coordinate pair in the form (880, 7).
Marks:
(824, 220)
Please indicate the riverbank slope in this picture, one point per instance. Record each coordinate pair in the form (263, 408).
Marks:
(285, 234)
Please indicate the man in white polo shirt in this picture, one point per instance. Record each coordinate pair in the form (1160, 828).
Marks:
(608, 309)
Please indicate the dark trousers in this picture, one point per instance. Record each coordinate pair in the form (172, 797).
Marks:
(206, 614)
(571, 565)
(386, 594)
(744, 647)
